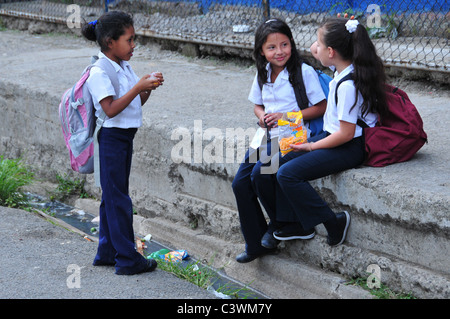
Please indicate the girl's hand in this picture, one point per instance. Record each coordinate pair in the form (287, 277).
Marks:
(261, 121)
(305, 147)
(150, 81)
(158, 77)
(343, 135)
(271, 119)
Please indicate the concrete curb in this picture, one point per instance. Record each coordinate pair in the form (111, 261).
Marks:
(274, 276)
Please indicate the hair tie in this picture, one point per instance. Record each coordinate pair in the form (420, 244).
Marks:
(93, 23)
(351, 25)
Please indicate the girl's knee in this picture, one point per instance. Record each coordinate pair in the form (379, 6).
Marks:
(282, 175)
(235, 185)
(260, 175)
(240, 184)
(286, 175)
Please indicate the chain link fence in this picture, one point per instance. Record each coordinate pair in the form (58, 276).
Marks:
(412, 34)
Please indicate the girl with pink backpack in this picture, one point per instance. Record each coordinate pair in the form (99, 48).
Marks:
(114, 32)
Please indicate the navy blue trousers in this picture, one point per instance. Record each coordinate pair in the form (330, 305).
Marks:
(116, 236)
(251, 183)
(297, 200)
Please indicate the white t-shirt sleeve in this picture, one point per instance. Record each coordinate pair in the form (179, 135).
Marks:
(100, 85)
(255, 95)
(313, 88)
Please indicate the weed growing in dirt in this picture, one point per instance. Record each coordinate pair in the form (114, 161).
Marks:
(68, 187)
(14, 174)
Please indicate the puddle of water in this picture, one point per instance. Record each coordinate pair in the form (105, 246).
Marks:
(75, 217)
(84, 222)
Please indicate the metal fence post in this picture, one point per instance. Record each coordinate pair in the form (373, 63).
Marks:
(266, 9)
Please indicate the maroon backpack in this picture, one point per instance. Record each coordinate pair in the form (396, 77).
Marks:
(397, 136)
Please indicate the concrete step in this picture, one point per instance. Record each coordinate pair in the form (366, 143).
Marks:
(275, 276)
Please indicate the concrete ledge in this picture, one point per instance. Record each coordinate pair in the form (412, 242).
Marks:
(275, 276)
(400, 213)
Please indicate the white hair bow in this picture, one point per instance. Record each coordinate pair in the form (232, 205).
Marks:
(351, 25)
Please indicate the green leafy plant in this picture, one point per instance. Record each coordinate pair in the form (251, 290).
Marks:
(68, 187)
(14, 174)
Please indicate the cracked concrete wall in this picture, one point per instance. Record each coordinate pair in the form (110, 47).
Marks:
(199, 196)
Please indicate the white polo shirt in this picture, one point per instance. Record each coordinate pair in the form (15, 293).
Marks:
(100, 86)
(346, 98)
(279, 97)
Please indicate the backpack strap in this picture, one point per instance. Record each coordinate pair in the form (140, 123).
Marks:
(110, 71)
(108, 68)
(345, 78)
(349, 76)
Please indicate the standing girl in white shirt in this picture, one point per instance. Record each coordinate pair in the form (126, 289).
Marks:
(114, 32)
(277, 61)
(345, 45)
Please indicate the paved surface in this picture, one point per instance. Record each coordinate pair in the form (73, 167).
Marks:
(43, 260)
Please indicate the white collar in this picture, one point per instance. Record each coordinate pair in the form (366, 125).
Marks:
(344, 72)
(283, 74)
(117, 67)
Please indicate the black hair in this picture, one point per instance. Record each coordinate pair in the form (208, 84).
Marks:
(262, 32)
(110, 25)
(368, 75)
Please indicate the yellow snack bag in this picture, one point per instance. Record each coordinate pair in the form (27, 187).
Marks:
(292, 131)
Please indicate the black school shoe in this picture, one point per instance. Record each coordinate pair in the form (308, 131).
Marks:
(343, 221)
(246, 258)
(293, 231)
(148, 266)
(103, 263)
(268, 241)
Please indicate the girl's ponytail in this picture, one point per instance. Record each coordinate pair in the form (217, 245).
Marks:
(88, 31)
(353, 43)
(369, 75)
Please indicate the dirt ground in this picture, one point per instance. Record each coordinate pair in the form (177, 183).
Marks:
(434, 83)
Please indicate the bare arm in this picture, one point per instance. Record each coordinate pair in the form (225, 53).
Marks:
(315, 111)
(147, 83)
(146, 94)
(259, 112)
(271, 119)
(346, 133)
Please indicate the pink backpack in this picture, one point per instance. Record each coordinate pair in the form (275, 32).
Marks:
(78, 122)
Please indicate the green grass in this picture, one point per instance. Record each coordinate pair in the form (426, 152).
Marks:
(204, 277)
(192, 272)
(383, 292)
(14, 174)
